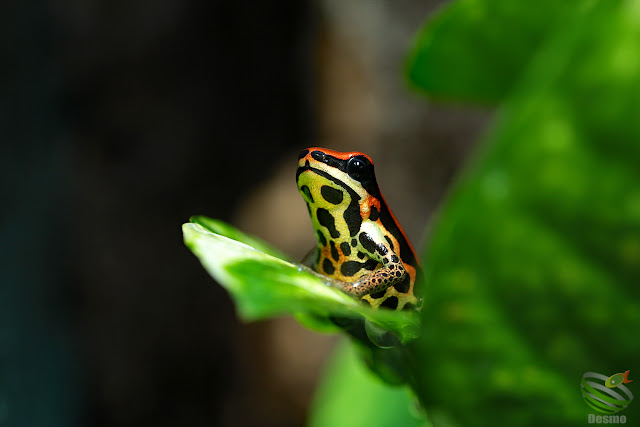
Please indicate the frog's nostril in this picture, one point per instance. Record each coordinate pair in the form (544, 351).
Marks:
(303, 153)
(318, 155)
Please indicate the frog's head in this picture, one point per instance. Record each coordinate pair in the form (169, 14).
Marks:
(342, 185)
(342, 173)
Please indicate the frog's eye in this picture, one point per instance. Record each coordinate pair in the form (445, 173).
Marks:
(357, 168)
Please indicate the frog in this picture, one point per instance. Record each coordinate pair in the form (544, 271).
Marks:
(361, 248)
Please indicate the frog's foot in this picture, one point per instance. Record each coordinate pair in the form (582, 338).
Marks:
(356, 289)
(364, 286)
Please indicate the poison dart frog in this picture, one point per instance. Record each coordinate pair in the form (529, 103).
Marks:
(361, 249)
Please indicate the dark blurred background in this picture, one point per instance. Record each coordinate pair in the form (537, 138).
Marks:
(122, 119)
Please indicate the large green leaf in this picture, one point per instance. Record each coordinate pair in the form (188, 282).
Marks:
(264, 285)
(534, 266)
(476, 50)
(222, 228)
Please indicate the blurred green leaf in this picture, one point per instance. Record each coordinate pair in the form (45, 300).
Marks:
(534, 265)
(265, 286)
(351, 396)
(476, 50)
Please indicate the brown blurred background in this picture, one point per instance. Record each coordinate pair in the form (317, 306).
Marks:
(122, 119)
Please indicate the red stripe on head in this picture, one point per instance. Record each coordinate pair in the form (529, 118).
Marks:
(338, 154)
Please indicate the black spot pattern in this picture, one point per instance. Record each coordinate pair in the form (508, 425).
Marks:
(371, 264)
(370, 246)
(403, 285)
(327, 220)
(354, 242)
(390, 243)
(334, 251)
(352, 216)
(361, 255)
(321, 238)
(380, 294)
(394, 258)
(367, 243)
(391, 302)
(403, 248)
(350, 268)
(305, 190)
(373, 215)
(345, 248)
(328, 267)
(331, 195)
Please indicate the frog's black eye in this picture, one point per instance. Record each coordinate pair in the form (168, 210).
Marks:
(358, 168)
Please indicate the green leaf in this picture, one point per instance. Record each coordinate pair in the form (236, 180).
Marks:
(534, 266)
(222, 228)
(350, 396)
(476, 50)
(265, 286)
